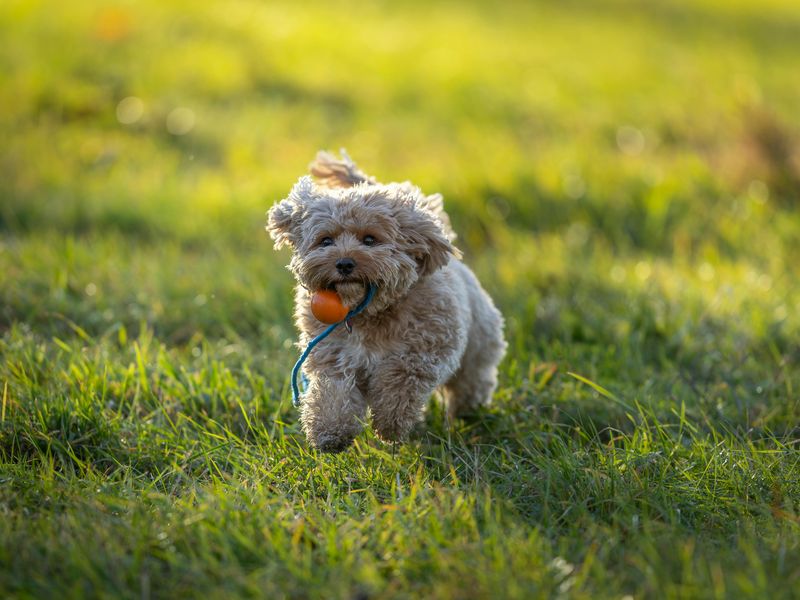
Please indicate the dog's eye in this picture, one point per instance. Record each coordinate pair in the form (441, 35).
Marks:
(369, 240)
(326, 241)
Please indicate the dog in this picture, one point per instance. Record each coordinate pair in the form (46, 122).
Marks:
(430, 325)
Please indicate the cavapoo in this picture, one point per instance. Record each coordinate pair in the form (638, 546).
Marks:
(429, 326)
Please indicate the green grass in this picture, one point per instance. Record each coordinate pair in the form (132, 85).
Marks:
(624, 177)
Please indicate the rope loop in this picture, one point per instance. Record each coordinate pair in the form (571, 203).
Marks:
(296, 369)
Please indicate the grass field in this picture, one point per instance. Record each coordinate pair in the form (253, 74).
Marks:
(625, 180)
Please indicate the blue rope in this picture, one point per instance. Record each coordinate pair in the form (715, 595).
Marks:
(296, 369)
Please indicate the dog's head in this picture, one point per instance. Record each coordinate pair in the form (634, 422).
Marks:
(346, 238)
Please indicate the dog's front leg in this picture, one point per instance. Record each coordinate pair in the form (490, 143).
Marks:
(399, 389)
(332, 412)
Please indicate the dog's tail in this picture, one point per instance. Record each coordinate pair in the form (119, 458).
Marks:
(338, 173)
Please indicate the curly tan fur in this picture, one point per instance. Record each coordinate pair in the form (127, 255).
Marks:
(430, 325)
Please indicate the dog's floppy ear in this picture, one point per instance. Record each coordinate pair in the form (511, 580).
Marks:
(284, 217)
(425, 237)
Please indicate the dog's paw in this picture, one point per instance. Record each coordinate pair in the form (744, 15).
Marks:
(391, 430)
(331, 444)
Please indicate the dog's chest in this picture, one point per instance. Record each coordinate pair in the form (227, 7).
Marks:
(372, 340)
(367, 347)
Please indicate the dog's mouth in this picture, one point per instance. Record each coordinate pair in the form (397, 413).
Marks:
(335, 284)
(351, 291)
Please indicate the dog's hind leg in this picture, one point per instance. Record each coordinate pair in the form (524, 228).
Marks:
(469, 389)
(474, 382)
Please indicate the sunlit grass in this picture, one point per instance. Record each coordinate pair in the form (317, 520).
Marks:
(624, 179)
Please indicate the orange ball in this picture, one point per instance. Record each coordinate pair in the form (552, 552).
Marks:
(327, 307)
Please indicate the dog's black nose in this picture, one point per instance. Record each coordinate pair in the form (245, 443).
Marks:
(345, 266)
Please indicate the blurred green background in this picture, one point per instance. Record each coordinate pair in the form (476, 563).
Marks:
(589, 136)
(624, 177)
